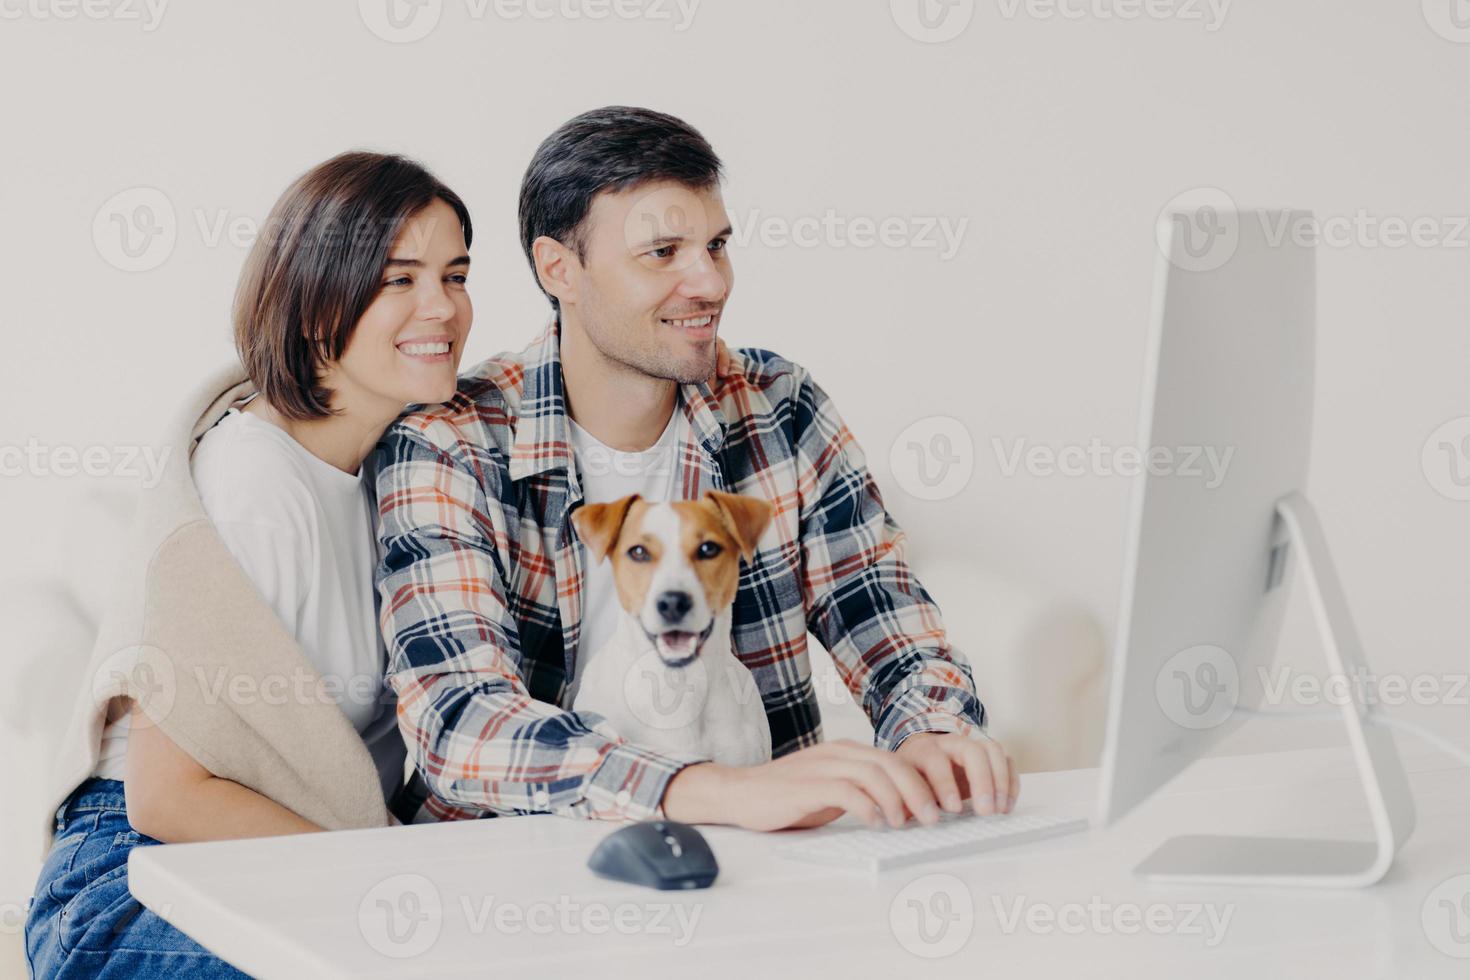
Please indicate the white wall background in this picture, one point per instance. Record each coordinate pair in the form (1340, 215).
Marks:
(1057, 138)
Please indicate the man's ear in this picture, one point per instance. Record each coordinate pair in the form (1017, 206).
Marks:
(598, 525)
(556, 267)
(746, 518)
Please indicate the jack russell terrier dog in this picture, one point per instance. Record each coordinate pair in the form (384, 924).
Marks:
(668, 679)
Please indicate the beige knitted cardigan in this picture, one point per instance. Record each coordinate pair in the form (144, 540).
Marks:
(190, 638)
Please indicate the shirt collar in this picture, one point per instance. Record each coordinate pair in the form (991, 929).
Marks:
(543, 431)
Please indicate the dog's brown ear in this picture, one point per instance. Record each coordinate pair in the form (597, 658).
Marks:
(746, 517)
(598, 525)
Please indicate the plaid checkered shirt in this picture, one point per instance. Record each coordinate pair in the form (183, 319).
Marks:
(480, 579)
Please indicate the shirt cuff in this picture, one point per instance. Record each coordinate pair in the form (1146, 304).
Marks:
(631, 781)
(943, 722)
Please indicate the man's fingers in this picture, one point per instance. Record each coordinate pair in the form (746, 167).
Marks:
(849, 796)
(875, 781)
(976, 763)
(912, 785)
(918, 795)
(874, 785)
(817, 818)
(1000, 770)
(1004, 776)
(938, 769)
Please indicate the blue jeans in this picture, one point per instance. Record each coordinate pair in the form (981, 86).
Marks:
(83, 921)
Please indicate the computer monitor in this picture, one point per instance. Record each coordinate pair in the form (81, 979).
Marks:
(1229, 384)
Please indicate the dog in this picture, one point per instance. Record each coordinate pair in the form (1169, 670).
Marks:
(669, 679)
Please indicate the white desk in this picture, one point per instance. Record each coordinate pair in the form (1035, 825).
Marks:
(512, 897)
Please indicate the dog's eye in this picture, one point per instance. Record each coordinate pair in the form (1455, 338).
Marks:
(708, 549)
(639, 553)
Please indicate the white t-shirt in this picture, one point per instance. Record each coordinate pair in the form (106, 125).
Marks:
(302, 531)
(607, 475)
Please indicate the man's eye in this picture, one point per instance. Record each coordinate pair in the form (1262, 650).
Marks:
(460, 278)
(708, 549)
(667, 252)
(639, 553)
(718, 245)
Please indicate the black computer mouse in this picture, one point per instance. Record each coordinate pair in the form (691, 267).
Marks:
(657, 853)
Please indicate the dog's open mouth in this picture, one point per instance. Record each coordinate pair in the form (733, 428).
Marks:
(677, 648)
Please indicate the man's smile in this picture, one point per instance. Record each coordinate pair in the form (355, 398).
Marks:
(702, 327)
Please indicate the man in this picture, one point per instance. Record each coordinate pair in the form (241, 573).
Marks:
(487, 597)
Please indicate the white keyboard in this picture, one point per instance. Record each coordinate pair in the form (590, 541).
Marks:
(956, 835)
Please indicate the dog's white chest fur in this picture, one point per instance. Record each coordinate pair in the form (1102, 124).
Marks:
(708, 708)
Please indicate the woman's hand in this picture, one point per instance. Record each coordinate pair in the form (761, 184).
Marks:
(722, 358)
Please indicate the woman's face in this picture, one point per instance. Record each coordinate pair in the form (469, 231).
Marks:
(406, 348)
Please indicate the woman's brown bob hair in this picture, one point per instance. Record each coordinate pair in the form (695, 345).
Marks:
(316, 267)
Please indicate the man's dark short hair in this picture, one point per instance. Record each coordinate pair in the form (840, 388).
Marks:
(611, 149)
(317, 266)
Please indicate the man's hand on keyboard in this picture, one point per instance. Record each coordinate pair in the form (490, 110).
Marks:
(817, 785)
(959, 767)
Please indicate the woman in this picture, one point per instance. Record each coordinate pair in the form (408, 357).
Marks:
(245, 635)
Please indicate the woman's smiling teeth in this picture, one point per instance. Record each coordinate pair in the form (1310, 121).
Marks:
(425, 350)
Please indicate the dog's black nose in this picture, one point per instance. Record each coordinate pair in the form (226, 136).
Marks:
(673, 605)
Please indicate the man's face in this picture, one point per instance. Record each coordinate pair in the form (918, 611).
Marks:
(655, 278)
